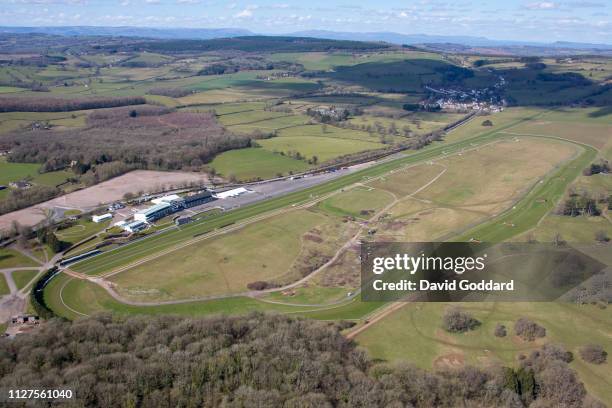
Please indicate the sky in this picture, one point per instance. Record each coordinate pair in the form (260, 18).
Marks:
(524, 20)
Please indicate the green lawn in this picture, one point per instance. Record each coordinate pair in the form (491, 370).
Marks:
(84, 228)
(246, 164)
(9, 258)
(4, 289)
(129, 253)
(424, 342)
(360, 202)
(22, 278)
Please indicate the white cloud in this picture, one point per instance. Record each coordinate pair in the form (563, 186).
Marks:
(152, 1)
(244, 14)
(542, 5)
(188, 1)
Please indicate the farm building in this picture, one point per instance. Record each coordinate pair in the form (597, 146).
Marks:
(101, 218)
(154, 212)
(134, 226)
(232, 193)
(198, 198)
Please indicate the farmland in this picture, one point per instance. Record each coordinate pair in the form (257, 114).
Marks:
(364, 129)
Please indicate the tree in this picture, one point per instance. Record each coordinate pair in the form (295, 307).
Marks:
(457, 321)
(53, 242)
(487, 123)
(593, 353)
(528, 330)
(500, 330)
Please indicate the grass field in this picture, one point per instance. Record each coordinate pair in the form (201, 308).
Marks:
(10, 258)
(18, 171)
(82, 229)
(427, 345)
(359, 202)
(252, 163)
(4, 288)
(127, 254)
(22, 278)
(221, 265)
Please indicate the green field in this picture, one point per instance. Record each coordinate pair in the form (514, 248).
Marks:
(427, 345)
(359, 202)
(4, 289)
(224, 264)
(22, 278)
(84, 228)
(252, 163)
(10, 258)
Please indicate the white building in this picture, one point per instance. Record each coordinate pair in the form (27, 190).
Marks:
(153, 213)
(102, 218)
(134, 226)
(232, 193)
(167, 199)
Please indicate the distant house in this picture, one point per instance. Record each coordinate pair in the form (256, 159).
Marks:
(101, 218)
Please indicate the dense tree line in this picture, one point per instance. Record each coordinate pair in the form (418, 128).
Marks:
(31, 104)
(171, 92)
(138, 137)
(257, 360)
(21, 198)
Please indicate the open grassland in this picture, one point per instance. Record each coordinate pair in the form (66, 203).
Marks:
(4, 288)
(416, 123)
(231, 108)
(323, 148)
(10, 121)
(325, 61)
(84, 228)
(222, 265)
(18, 171)
(272, 124)
(22, 278)
(251, 163)
(359, 202)
(73, 298)
(574, 229)
(456, 196)
(10, 258)
(122, 256)
(426, 344)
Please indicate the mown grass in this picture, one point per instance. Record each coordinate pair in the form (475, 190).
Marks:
(124, 255)
(251, 163)
(10, 258)
(22, 278)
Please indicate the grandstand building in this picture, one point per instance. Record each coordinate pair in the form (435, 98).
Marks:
(154, 212)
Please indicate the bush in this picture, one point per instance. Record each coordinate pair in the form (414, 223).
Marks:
(593, 353)
(500, 330)
(457, 321)
(528, 330)
(487, 123)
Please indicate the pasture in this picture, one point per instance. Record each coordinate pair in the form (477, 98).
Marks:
(22, 278)
(359, 202)
(252, 163)
(427, 345)
(10, 258)
(223, 264)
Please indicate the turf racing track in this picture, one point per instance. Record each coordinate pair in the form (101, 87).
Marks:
(89, 274)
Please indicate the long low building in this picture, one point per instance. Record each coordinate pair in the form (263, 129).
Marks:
(232, 193)
(101, 218)
(154, 212)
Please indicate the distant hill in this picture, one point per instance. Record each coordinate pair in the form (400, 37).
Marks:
(146, 32)
(255, 44)
(412, 39)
